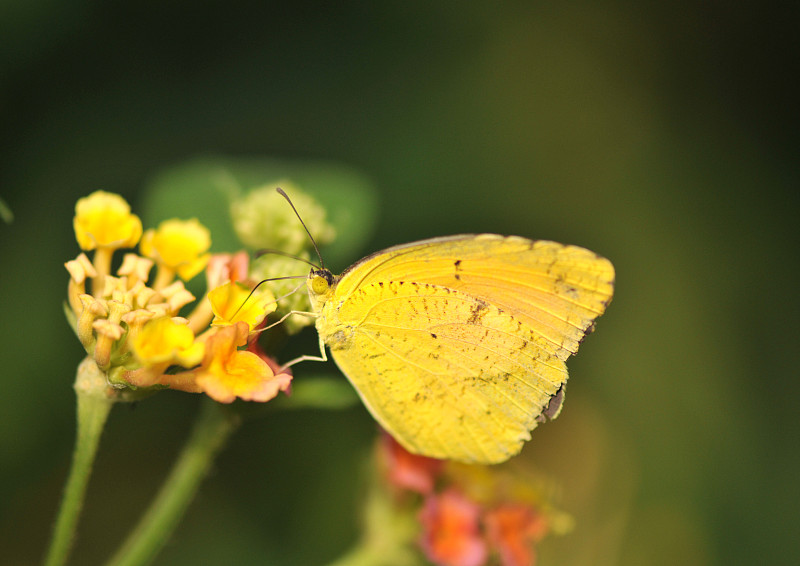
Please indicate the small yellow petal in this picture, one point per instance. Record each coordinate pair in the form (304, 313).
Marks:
(164, 340)
(233, 302)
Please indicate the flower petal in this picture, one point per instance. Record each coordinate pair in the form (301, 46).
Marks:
(163, 340)
(233, 302)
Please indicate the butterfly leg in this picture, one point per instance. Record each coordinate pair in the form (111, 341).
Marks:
(287, 315)
(306, 358)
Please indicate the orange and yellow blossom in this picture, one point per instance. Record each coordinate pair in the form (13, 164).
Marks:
(132, 330)
(227, 372)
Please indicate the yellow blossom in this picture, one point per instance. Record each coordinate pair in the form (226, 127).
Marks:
(232, 302)
(104, 220)
(227, 373)
(165, 341)
(177, 246)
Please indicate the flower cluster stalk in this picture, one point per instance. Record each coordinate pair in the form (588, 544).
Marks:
(94, 404)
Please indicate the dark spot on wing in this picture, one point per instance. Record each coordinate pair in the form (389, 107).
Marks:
(478, 310)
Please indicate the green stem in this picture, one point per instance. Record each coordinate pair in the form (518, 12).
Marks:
(94, 403)
(210, 433)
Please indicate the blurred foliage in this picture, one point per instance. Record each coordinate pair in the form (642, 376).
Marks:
(204, 188)
(661, 136)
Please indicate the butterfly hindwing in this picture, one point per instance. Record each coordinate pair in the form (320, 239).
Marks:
(457, 345)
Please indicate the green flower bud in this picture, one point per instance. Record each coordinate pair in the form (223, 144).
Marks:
(263, 219)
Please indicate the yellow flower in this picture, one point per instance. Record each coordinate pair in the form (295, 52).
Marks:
(227, 373)
(104, 220)
(232, 302)
(166, 341)
(177, 246)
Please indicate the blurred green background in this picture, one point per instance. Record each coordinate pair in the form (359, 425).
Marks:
(661, 135)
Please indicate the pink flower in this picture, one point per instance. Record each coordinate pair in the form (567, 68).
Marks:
(512, 529)
(406, 470)
(451, 530)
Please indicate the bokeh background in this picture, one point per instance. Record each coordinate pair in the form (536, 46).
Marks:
(661, 135)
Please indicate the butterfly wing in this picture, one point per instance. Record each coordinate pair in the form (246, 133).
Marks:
(457, 345)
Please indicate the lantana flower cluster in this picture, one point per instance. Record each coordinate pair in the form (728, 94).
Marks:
(131, 325)
(471, 515)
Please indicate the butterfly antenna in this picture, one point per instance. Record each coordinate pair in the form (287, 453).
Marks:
(266, 281)
(259, 253)
(310, 237)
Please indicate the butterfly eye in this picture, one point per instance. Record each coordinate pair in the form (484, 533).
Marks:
(319, 285)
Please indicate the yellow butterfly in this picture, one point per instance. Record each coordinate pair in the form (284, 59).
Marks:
(457, 345)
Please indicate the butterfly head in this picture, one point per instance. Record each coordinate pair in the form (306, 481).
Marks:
(321, 283)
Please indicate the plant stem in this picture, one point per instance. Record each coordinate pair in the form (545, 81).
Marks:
(212, 429)
(94, 403)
